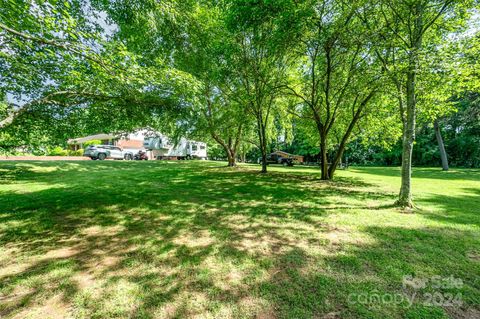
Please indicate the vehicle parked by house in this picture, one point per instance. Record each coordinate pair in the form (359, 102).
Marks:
(155, 144)
(141, 156)
(162, 147)
(275, 158)
(297, 159)
(102, 152)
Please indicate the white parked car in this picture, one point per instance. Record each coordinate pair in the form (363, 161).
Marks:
(102, 152)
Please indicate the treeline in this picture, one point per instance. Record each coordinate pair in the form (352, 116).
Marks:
(460, 130)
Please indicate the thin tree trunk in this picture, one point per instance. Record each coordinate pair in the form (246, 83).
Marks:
(323, 157)
(441, 146)
(341, 148)
(264, 163)
(263, 144)
(405, 197)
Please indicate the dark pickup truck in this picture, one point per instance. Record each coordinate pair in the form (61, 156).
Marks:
(277, 159)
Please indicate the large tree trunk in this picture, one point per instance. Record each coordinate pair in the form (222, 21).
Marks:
(231, 146)
(231, 157)
(230, 150)
(232, 161)
(441, 146)
(231, 153)
(323, 157)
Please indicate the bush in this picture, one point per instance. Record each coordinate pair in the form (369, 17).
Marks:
(79, 152)
(58, 151)
(39, 151)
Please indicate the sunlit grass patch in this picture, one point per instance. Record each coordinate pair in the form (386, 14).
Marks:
(193, 239)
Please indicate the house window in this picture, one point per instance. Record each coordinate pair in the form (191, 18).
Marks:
(194, 147)
(202, 147)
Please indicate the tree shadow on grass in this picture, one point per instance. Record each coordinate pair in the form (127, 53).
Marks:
(461, 209)
(184, 240)
(109, 197)
(148, 274)
(355, 282)
(423, 172)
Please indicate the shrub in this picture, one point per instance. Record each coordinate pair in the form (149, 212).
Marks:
(58, 151)
(78, 152)
(39, 151)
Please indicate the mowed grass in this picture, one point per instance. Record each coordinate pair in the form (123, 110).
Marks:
(154, 239)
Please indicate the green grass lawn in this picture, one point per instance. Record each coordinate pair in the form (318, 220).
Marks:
(118, 239)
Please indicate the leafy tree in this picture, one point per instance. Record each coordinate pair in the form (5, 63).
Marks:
(194, 40)
(257, 59)
(216, 112)
(336, 79)
(407, 31)
(58, 65)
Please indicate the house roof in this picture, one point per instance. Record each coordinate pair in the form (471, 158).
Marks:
(91, 137)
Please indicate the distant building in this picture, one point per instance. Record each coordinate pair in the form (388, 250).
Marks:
(133, 141)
